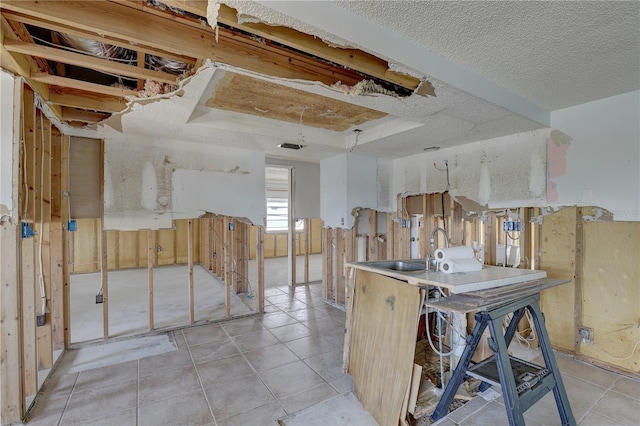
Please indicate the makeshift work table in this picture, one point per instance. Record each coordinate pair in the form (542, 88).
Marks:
(383, 311)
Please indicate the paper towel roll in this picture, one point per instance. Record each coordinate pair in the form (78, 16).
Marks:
(461, 252)
(451, 266)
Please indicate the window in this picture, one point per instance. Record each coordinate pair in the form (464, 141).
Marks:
(277, 199)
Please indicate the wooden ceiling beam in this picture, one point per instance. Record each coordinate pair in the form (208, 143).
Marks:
(22, 65)
(83, 116)
(140, 28)
(87, 61)
(85, 100)
(53, 80)
(65, 29)
(351, 58)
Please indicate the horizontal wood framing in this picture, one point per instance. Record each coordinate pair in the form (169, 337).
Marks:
(128, 249)
(275, 244)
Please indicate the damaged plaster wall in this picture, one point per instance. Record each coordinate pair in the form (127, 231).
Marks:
(6, 145)
(306, 177)
(509, 171)
(140, 187)
(603, 161)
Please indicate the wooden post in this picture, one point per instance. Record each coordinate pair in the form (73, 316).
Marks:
(260, 257)
(489, 239)
(577, 280)
(291, 252)
(65, 243)
(327, 263)
(57, 247)
(391, 243)
(11, 386)
(150, 255)
(190, 268)
(103, 252)
(339, 264)
(307, 237)
(372, 252)
(227, 267)
(422, 232)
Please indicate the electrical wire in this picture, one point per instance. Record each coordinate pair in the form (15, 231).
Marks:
(620, 358)
(43, 294)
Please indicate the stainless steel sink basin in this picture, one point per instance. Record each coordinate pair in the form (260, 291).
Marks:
(400, 265)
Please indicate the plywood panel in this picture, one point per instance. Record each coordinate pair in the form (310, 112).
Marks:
(278, 102)
(128, 249)
(383, 331)
(558, 259)
(85, 247)
(112, 250)
(166, 241)
(316, 235)
(281, 245)
(610, 292)
(182, 240)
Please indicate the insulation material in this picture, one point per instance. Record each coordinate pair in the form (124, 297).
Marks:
(364, 87)
(141, 174)
(213, 8)
(384, 325)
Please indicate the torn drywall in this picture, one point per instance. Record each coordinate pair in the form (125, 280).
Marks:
(141, 175)
(557, 146)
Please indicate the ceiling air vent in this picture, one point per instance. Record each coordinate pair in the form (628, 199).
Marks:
(290, 145)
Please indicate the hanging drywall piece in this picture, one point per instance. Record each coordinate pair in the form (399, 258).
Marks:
(149, 192)
(484, 184)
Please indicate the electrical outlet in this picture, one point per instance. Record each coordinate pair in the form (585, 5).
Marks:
(99, 298)
(512, 225)
(586, 334)
(215, 255)
(232, 226)
(41, 320)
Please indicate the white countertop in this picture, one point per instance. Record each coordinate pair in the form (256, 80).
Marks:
(461, 282)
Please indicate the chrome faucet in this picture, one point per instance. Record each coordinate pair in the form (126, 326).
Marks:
(432, 264)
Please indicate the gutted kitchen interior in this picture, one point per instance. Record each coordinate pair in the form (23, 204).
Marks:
(195, 196)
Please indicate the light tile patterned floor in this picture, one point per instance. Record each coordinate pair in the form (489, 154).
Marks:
(252, 371)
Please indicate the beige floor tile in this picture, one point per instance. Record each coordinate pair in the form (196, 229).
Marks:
(273, 292)
(204, 334)
(328, 365)
(269, 308)
(545, 411)
(59, 384)
(166, 361)
(47, 410)
(277, 320)
(269, 357)
(237, 396)
(306, 399)
(213, 350)
(309, 346)
(178, 338)
(587, 372)
(223, 370)
(105, 376)
(620, 408)
(293, 305)
(492, 414)
(242, 326)
(308, 314)
(582, 393)
(265, 415)
(107, 418)
(168, 384)
(252, 341)
(342, 384)
(291, 332)
(96, 401)
(324, 325)
(291, 379)
(594, 419)
(189, 409)
(467, 409)
(628, 387)
(280, 298)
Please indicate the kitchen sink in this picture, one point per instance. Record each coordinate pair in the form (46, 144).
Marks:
(400, 265)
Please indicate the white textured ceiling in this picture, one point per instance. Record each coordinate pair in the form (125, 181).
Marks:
(554, 53)
(498, 68)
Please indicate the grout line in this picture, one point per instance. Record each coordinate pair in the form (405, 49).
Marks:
(66, 404)
(206, 398)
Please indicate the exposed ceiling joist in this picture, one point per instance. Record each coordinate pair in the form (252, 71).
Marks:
(85, 100)
(87, 61)
(119, 21)
(83, 116)
(82, 85)
(351, 58)
(66, 29)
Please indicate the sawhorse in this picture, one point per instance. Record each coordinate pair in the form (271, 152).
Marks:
(517, 399)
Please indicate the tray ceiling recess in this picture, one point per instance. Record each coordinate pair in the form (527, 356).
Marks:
(84, 58)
